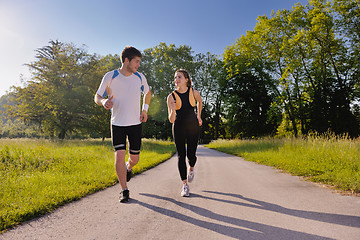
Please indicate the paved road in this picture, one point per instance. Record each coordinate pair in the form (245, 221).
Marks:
(231, 199)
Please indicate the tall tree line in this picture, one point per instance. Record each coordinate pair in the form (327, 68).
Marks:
(58, 100)
(296, 72)
(307, 59)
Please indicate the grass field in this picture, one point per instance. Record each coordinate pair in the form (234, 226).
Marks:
(38, 176)
(334, 161)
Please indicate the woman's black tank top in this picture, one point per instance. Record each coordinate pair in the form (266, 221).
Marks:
(186, 112)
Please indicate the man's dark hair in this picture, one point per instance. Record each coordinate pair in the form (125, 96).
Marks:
(129, 53)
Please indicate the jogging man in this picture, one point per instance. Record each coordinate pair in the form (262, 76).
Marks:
(123, 88)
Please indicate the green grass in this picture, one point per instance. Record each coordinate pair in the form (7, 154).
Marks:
(334, 161)
(38, 176)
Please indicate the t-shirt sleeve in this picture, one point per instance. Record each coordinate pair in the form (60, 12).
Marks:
(102, 90)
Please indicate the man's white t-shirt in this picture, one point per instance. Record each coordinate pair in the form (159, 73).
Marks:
(126, 93)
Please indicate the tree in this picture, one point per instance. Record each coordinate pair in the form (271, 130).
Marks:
(347, 24)
(307, 56)
(209, 72)
(57, 98)
(330, 68)
(248, 94)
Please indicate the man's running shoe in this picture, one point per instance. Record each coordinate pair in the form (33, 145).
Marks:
(191, 175)
(128, 173)
(185, 191)
(124, 196)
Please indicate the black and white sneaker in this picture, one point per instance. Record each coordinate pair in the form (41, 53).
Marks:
(124, 196)
(128, 173)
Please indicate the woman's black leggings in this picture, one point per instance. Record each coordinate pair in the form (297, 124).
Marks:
(186, 133)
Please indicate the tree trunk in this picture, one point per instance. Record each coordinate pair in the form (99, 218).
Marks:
(62, 134)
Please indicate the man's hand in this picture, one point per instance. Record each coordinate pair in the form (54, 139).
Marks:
(143, 116)
(108, 103)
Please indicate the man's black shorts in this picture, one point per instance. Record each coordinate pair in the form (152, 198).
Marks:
(133, 133)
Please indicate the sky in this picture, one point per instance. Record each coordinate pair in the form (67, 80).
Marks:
(107, 26)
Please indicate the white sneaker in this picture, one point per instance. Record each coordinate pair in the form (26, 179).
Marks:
(185, 191)
(191, 175)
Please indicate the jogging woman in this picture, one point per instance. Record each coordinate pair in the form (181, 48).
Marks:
(186, 124)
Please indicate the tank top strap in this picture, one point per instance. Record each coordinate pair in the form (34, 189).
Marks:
(192, 97)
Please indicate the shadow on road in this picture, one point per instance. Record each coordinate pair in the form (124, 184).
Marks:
(346, 220)
(256, 230)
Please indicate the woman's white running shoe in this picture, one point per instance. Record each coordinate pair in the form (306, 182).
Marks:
(185, 191)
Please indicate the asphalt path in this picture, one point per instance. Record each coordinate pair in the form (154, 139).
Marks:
(230, 199)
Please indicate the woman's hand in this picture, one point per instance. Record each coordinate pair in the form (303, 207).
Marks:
(200, 121)
(171, 108)
(172, 104)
